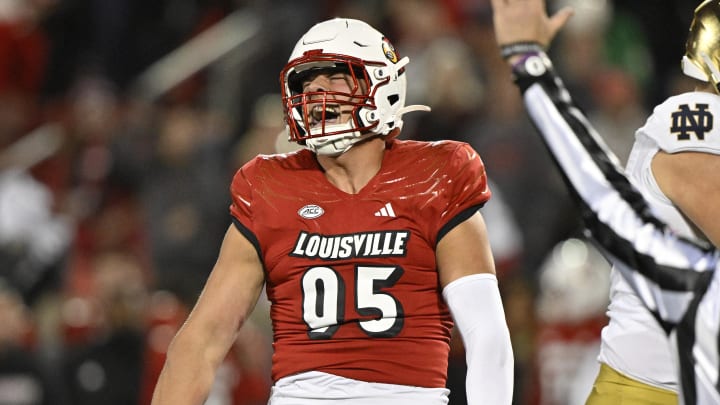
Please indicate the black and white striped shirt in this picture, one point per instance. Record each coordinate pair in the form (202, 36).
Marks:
(673, 276)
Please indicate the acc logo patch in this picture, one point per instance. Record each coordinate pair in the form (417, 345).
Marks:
(311, 211)
(389, 50)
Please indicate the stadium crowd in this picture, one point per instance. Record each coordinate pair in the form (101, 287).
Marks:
(114, 183)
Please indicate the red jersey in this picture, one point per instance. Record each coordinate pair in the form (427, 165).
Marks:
(352, 278)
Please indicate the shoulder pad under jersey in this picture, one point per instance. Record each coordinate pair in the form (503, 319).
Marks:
(686, 122)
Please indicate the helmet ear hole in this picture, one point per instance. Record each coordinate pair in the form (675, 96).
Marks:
(393, 98)
(368, 118)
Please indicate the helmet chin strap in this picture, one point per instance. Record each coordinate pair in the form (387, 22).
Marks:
(714, 73)
(691, 68)
(411, 108)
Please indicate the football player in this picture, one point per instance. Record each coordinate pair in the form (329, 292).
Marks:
(670, 153)
(368, 247)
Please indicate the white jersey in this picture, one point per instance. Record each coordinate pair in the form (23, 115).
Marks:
(677, 279)
(633, 342)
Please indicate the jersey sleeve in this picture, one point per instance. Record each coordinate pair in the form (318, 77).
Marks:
(468, 190)
(686, 123)
(665, 271)
(241, 194)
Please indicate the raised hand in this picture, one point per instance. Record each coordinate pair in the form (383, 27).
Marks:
(517, 21)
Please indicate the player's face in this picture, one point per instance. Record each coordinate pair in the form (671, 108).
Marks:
(331, 85)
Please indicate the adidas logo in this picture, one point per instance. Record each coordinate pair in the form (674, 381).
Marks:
(386, 211)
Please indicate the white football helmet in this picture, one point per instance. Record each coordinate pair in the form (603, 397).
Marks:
(377, 98)
(702, 50)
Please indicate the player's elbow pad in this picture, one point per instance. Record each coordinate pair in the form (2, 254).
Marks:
(477, 309)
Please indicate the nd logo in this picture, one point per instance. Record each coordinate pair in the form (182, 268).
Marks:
(685, 121)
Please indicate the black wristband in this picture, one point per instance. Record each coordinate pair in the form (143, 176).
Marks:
(531, 68)
(518, 48)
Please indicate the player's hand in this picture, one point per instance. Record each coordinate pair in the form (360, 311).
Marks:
(526, 21)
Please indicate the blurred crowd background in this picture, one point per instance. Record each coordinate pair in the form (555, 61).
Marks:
(123, 121)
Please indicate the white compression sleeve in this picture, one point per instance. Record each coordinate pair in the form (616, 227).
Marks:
(478, 312)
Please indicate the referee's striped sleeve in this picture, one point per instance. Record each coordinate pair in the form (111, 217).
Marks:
(665, 271)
